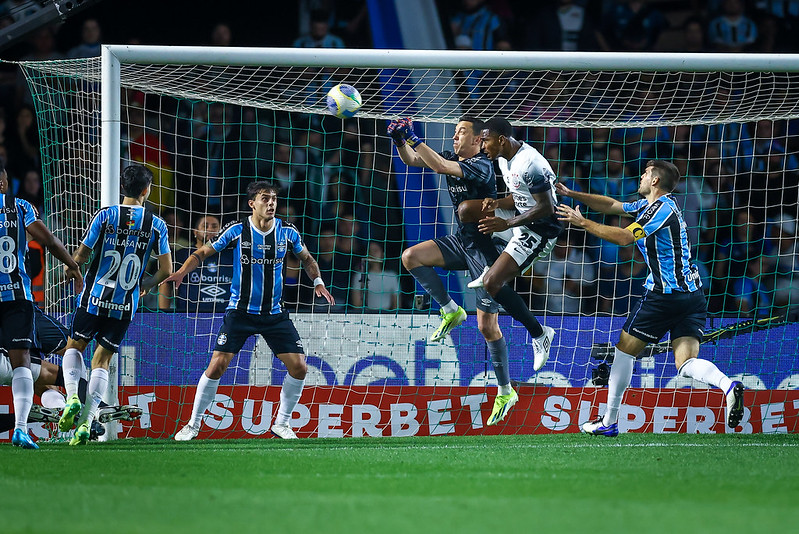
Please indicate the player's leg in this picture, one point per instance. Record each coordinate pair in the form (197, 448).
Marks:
(84, 328)
(98, 384)
(284, 340)
(420, 259)
(488, 324)
(18, 334)
(235, 330)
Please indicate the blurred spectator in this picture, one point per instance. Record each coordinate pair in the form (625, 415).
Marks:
(778, 21)
(90, 41)
(617, 181)
(770, 153)
(482, 26)
(35, 266)
(221, 35)
(32, 190)
(284, 172)
(143, 145)
(733, 139)
(43, 48)
(621, 284)
(632, 26)
(733, 31)
(786, 262)
(319, 36)
(23, 143)
(553, 105)
(207, 288)
(19, 10)
(375, 287)
(693, 36)
(747, 242)
(337, 264)
(749, 294)
(177, 226)
(565, 277)
(563, 25)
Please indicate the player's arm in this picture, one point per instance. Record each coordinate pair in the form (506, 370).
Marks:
(163, 272)
(429, 158)
(312, 270)
(598, 203)
(543, 208)
(614, 234)
(42, 235)
(191, 263)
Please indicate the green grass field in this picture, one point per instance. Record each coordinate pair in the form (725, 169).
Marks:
(565, 483)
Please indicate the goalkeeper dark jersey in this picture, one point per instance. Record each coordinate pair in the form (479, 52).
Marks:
(479, 181)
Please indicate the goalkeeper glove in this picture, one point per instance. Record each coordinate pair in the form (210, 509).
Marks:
(405, 128)
(396, 136)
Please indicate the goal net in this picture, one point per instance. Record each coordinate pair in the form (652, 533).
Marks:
(207, 122)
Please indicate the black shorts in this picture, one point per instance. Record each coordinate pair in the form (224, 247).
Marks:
(51, 335)
(108, 332)
(459, 258)
(277, 330)
(681, 314)
(17, 327)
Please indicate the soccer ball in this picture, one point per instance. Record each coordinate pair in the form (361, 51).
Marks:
(343, 101)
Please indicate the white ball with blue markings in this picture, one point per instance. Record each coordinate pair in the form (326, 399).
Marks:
(343, 101)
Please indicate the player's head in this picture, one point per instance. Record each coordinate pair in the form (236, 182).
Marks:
(135, 181)
(206, 229)
(466, 139)
(659, 174)
(262, 198)
(496, 135)
(3, 180)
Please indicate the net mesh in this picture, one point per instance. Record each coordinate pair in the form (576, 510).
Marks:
(207, 131)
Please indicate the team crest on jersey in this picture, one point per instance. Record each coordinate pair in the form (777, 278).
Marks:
(281, 246)
(515, 181)
(212, 267)
(131, 223)
(222, 339)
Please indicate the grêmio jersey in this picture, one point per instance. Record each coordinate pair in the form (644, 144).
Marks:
(478, 182)
(207, 288)
(258, 264)
(526, 174)
(15, 215)
(660, 233)
(122, 238)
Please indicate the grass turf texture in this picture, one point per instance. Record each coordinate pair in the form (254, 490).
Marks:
(563, 483)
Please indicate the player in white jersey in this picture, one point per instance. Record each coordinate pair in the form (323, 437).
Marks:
(531, 184)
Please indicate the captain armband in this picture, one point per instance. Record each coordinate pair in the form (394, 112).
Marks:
(637, 230)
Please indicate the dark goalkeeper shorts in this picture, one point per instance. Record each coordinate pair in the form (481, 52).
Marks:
(17, 327)
(459, 258)
(277, 330)
(681, 314)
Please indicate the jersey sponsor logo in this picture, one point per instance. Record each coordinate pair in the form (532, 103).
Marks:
(8, 210)
(265, 246)
(18, 339)
(637, 231)
(109, 229)
(644, 334)
(458, 189)
(222, 339)
(12, 286)
(8, 224)
(112, 306)
(198, 278)
(249, 260)
(650, 211)
(245, 244)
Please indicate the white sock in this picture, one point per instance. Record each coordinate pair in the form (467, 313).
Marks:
(621, 373)
(206, 392)
(53, 399)
(504, 390)
(449, 307)
(74, 370)
(98, 383)
(289, 397)
(707, 372)
(22, 390)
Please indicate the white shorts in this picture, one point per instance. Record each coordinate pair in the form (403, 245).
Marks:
(526, 247)
(7, 374)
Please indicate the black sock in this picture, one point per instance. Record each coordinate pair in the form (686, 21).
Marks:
(515, 306)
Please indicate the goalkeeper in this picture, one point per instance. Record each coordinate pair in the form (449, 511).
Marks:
(470, 176)
(673, 301)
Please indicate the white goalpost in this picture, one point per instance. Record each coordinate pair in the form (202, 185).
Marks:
(208, 120)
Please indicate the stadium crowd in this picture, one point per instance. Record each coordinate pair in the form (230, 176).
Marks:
(739, 195)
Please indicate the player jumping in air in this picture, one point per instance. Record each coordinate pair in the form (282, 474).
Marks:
(673, 301)
(256, 303)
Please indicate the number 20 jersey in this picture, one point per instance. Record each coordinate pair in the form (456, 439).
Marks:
(121, 238)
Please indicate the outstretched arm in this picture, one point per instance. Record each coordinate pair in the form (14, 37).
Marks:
(614, 234)
(42, 235)
(543, 208)
(312, 269)
(598, 203)
(191, 263)
(164, 270)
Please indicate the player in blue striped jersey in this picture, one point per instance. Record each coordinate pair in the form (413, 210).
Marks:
(256, 307)
(119, 242)
(17, 331)
(673, 301)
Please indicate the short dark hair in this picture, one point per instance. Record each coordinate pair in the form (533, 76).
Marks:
(667, 172)
(499, 126)
(477, 124)
(261, 185)
(135, 179)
